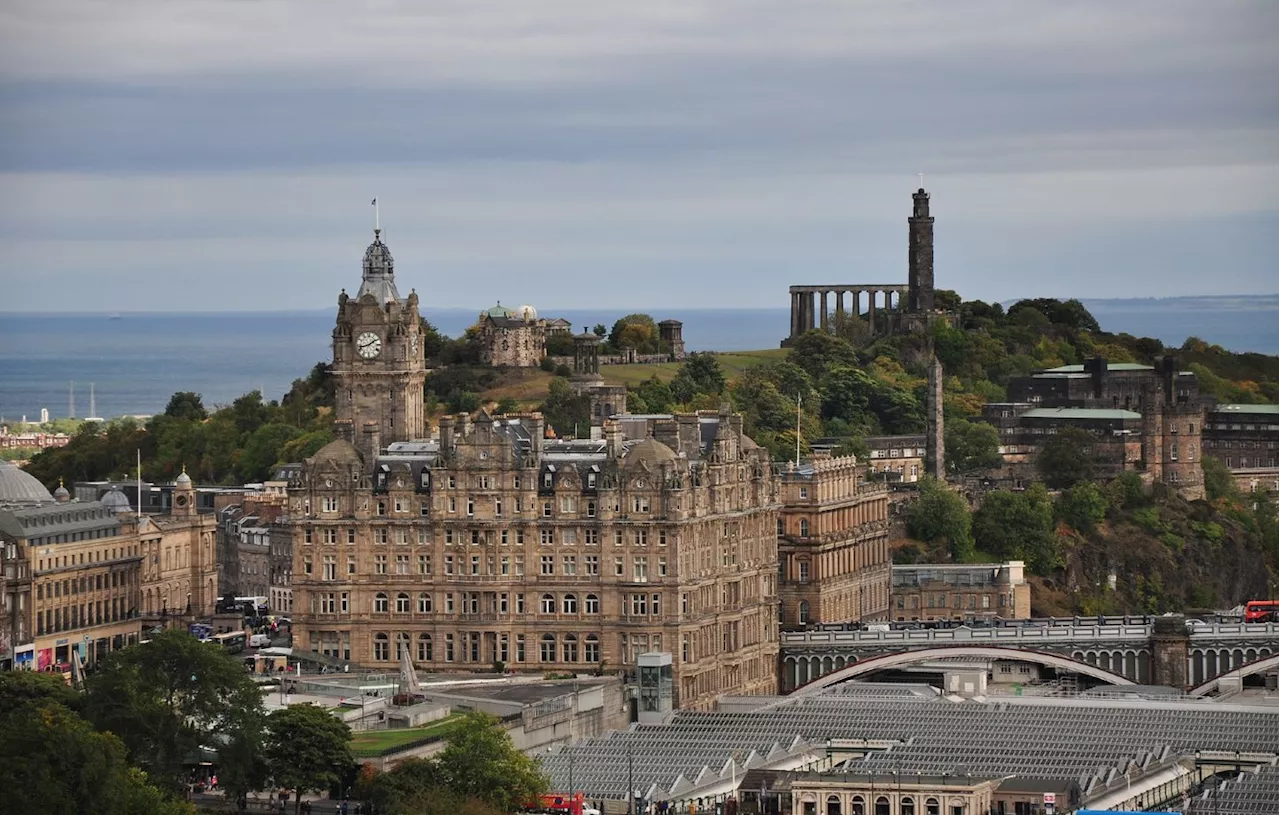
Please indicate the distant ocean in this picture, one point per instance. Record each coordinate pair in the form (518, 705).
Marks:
(137, 361)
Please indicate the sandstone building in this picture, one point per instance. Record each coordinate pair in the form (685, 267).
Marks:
(179, 569)
(513, 338)
(177, 533)
(491, 544)
(71, 576)
(960, 591)
(833, 543)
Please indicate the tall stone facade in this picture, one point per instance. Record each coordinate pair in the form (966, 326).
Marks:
(833, 543)
(935, 448)
(179, 567)
(378, 364)
(490, 543)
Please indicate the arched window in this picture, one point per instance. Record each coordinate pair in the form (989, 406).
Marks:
(931, 806)
(424, 603)
(804, 527)
(833, 805)
(802, 615)
(858, 806)
(425, 651)
(548, 604)
(570, 648)
(402, 603)
(591, 648)
(592, 604)
(547, 650)
(381, 647)
(380, 603)
(402, 645)
(908, 806)
(570, 604)
(882, 806)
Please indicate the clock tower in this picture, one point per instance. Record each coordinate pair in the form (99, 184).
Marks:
(378, 364)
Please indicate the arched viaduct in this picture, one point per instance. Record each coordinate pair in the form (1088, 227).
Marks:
(986, 652)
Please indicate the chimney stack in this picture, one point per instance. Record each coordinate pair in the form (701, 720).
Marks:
(446, 435)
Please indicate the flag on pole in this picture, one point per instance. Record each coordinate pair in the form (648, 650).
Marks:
(373, 203)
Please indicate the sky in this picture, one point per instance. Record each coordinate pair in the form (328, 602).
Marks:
(222, 154)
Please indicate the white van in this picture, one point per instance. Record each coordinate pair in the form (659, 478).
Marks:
(260, 641)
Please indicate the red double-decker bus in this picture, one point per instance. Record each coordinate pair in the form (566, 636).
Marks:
(560, 803)
(1261, 611)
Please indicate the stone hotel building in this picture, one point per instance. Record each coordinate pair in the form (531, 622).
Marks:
(489, 543)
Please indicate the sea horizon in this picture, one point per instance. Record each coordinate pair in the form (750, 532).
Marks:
(137, 362)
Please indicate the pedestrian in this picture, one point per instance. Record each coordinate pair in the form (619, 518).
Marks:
(343, 807)
(213, 782)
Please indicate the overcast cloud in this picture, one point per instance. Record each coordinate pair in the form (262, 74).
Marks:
(159, 154)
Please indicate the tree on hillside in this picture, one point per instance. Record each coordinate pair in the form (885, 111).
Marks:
(1067, 458)
(433, 342)
(650, 396)
(51, 760)
(481, 762)
(307, 749)
(1218, 481)
(560, 344)
(170, 697)
(187, 406)
(970, 446)
(262, 448)
(940, 517)
(1083, 506)
(1126, 491)
(20, 689)
(817, 352)
(1070, 314)
(567, 412)
(635, 331)
(1018, 525)
(698, 375)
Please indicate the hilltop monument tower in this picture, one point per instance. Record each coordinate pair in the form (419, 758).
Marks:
(920, 255)
(887, 308)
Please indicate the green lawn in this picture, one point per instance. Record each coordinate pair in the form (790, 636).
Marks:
(734, 364)
(372, 742)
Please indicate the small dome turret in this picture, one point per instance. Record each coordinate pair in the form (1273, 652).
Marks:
(62, 495)
(527, 313)
(115, 500)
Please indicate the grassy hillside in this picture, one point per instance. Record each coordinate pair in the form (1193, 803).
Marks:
(530, 388)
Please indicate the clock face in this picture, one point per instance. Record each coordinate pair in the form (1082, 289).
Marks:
(369, 345)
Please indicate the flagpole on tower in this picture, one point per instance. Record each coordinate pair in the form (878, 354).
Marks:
(377, 227)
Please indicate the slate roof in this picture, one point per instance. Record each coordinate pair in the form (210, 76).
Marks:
(1078, 740)
(1082, 413)
(20, 488)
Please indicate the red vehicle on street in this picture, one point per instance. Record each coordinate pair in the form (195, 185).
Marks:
(1262, 611)
(559, 803)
